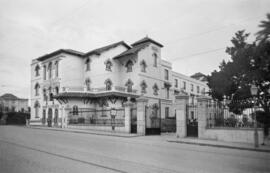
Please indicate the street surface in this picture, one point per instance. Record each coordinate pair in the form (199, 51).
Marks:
(26, 150)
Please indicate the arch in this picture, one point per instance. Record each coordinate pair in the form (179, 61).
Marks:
(155, 59)
(56, 68)
(129, 65)
(87, 83)
(37, 86)
(143, 66)
(87, 64)
(75, 110)
(56, 90)
(55, 116)
(108, 84)
(155, 88)
(44, 72)
(129, 84)
(37, 68)
(108, 63)
(143, 87)
(50, 70)
(36, 106)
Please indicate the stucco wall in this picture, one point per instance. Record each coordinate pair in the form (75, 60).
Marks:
(232, 135)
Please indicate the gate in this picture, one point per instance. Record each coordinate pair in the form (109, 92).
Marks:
(192, 120)
(152, 120)
(133, 120)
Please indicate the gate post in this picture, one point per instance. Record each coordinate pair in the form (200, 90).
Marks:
(202, 114)
(128, 106)
(141, 103)
(180, 105)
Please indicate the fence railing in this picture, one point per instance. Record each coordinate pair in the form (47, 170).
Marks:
(96, 90)
(86, 116)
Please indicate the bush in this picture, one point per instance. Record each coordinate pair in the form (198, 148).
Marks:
(18, 118)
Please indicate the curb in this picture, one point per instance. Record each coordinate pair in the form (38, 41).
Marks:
(82, 132)
(221, 146)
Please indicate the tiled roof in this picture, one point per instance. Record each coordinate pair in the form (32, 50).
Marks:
(9, 96)
(131, 51)
(102, 49)
(68, 51)
(145, 40)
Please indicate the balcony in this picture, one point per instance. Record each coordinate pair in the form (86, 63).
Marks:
(96, 92)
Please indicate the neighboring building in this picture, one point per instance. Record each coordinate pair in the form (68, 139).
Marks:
(104, 78)
(199, 76)
(11, 103)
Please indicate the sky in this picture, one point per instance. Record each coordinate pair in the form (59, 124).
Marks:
(195, 34)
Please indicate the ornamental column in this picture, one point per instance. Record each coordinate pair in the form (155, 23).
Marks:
(181, 102)
(141, 104)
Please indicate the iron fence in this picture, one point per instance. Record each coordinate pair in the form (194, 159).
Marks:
(219, 115)
(97, 117)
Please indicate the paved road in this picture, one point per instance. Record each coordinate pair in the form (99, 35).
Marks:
(25, 150)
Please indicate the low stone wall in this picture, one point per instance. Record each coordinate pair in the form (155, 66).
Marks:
(100, 128)
(244, 135)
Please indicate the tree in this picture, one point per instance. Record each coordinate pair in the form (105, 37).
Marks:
(249, 64)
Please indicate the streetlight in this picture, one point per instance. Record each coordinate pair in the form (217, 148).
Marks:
(254, 91)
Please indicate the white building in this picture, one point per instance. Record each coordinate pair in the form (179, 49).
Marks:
(105, 78)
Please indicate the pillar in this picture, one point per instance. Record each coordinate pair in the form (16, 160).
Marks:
(202, 114)
(128, 105)
(181, 102)
(141, 104)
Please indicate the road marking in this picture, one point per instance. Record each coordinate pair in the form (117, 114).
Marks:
(65, 157)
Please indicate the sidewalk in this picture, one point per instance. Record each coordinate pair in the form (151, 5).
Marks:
(93, 132)
(220, 144)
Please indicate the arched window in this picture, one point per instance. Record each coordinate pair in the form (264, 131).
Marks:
(155, 59)
(108, 63)
(56, 68)
(37, 89)
(75, 110)
(55, 120)
(44, 95)
(155, 89)
(87, 83)
(129, 65)
(43, 116)
(57, 90)
(37, 68)
(50, 70)
(143, 87)
(50, 94)
(143, 66)
(129, 84)
(108, 84)
(36, 106)
(44, 72)
(87, 64)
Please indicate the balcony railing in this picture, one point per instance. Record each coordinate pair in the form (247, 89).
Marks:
(97, 90)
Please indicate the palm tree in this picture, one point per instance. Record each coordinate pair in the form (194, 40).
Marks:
(264, 33)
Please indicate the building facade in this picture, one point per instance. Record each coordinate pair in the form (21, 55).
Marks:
(11, 103)
(68, 82)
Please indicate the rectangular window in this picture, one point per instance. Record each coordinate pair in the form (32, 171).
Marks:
(44, 72)
(166, 73)
(198, 89)
(175, 83)
(191, 87)
(203, 91)
(168, 93)
(167, 111)
(184, 85)
(56, 69)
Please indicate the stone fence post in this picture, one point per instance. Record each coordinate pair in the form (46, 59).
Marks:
(181, 102)
(128, 105)
(202, 114)
(141, 104)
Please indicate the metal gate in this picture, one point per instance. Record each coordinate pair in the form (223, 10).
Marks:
(192, 120)
(152, 120)
(133, 120)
